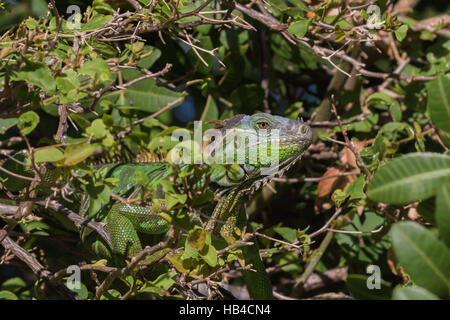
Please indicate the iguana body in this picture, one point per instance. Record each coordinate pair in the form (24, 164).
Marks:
(261, 132)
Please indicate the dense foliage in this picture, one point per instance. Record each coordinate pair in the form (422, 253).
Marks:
(368, 206)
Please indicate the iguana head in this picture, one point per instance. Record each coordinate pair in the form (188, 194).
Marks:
(255, 148)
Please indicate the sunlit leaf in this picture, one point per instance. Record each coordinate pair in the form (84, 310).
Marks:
(409, 178)
(424, 257)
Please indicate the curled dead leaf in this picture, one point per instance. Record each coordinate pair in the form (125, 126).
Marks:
(326, 187)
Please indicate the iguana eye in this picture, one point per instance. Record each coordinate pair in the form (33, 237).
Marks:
(263, 125)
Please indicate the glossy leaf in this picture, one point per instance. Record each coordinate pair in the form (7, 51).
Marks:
(357, 284)
(409, 178)
(37, 74)
(48, 155)
(412, 293)
(97, 67)
(439, 102)
(5, 124)
(423, 256)
(147, 96)
(442, 214)
(77, 153)
(299, 28)
(401, 32)
(197, 238)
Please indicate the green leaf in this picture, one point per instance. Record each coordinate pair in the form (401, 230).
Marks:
(165, 280)
(147, 96)
(174, 199)
(189, 252)
(80, 120)
(379, 97)
(396, 111)
(7, 295)
(442, 214)
(100, 262)
(97, 129)
(287, 233)
(48, 155)
(209, 255)
(339, 33)
(95, 23)
(439, 102)
(77, 153)
(423, 256)
(31, 23)
(356, 189)
(35, 73)
(178, 262)
(67, 81)
(148, 58)
(5, 124)
(13, 284)
(412, 293)
(357, 285)
(111, 294)
(102, 7)
(27, 122)
(299, 28)
(98, 197)
(145, 2)
(82, 292)
(197, 238)
(401, 32)
(96, 66)
(409, 178)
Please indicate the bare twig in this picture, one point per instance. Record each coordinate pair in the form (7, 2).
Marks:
(35, 266)
(78, 220)
(332, 124)
(316, 179)
(348, 142)
(169, 106)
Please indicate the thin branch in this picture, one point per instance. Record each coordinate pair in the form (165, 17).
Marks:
(325, 226)
(135, 262)
(315, 179)
(169, 106)
(77, 219)
(332, 124)
(37, 268)
(146, 76)
(312, 264)
(348, 142)
(17, 175)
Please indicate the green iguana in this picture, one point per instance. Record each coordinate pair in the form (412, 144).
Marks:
(268, 135)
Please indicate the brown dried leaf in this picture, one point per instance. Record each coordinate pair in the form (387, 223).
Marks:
(326, 187)
(347, 157)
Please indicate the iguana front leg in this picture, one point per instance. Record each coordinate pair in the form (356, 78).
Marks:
(228, 215)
